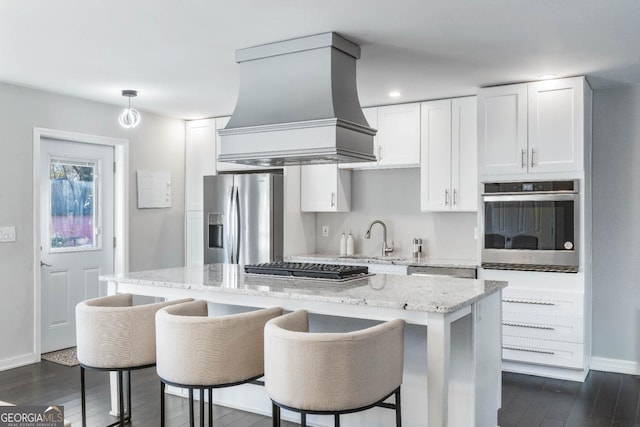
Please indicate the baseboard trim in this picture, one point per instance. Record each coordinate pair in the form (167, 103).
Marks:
(619, 366)
(16, 362)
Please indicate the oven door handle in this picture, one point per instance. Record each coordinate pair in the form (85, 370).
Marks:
(531, 197)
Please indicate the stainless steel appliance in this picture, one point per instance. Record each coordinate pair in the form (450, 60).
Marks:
(243, 218)
(531, 225)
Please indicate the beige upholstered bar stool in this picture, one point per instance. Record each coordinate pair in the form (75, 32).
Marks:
(198, 352)
(114, 335)
(332, 373)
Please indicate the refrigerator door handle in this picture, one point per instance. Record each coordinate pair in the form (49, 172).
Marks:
(236, 228)
(228, 246)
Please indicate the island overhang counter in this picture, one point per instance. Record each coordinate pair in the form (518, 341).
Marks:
(459, 350)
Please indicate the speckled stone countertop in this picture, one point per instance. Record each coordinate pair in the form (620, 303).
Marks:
(418, 293)
(393, 260)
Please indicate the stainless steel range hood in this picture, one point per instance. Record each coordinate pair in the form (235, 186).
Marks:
(298, 104)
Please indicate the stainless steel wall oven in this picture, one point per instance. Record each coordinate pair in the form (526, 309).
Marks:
(531, 225)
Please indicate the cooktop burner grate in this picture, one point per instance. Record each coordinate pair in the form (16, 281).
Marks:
(303, 269)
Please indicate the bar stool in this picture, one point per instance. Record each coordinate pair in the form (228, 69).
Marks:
(332, 373)
(114, 335)
(198, 352)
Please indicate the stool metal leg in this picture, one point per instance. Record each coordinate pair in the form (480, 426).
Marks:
(275, 415)
(129, 394)
(336, 420)
(398, 411)
(303, 419)
(83, 397)
(201, 407)
(161, 404)
(191, 423)
(120, 399)
(211, 407)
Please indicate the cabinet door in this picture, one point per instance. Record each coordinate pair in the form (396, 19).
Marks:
(325, 188)
(435, 170)
(194, 238)
(502, 129)
(464, 154)
(556, 125)
(199, 160)
(371, 114)
(399, 135)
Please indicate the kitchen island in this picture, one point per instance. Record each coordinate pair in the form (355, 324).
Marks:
(452, 367)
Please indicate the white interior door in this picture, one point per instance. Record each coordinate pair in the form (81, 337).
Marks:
(77, 233)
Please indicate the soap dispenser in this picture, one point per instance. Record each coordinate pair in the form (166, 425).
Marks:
(350, 244)
(343, 245)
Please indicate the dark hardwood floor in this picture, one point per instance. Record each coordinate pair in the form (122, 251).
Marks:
(604, 399)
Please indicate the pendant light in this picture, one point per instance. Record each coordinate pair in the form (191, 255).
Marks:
(129, 118)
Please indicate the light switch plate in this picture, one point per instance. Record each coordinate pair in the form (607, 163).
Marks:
(7, 234)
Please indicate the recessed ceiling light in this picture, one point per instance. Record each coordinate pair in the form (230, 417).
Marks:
(547, 76)
(394, 94)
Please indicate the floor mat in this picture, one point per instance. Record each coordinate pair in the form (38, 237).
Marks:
(65, 357)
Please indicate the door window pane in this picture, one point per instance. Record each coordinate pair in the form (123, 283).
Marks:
(73, 195)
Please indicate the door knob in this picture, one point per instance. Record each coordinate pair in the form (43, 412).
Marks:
(44, 264)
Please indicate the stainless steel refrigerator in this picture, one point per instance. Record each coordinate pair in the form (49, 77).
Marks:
(243, 218)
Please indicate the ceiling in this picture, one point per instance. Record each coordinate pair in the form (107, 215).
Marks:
(180, 55)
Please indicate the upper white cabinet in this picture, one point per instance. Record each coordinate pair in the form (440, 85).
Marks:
(397, 143)
(199, 160)
(399, 135)
(325, 188)
(448, 173)
(532, 128)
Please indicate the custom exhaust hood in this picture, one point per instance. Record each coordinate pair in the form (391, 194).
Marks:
(298, 104)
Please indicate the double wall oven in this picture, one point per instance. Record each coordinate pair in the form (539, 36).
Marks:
(531, 226)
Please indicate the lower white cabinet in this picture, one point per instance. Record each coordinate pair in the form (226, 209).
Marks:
(448, 155)
(325, 188)
(544, 323)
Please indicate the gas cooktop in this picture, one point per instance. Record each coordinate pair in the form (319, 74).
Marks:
(303, 269)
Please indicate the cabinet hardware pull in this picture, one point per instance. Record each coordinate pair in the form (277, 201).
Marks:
(515, 301)
(455, 198)
(533, 152)
(523, 325)
(446, 197)
(504, 347)
(523, 162)
(333, 199)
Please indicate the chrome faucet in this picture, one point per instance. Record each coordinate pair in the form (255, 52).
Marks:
(386, 249)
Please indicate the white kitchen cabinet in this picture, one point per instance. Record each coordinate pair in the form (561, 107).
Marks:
(325, 188)
(399, 136)
(532, 128)
(371, 114)
(545, 323)
(199, 160)
(448, 173)
(194, 238)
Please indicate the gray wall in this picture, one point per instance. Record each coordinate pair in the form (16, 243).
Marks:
(616, 223)
(393, 196)
(156, 236)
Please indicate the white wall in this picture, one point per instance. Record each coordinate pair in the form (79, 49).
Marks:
(393, 196)
(616, 224)
(156, 236)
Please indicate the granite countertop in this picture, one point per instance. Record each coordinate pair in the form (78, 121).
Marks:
(392, 260)
(440, 294)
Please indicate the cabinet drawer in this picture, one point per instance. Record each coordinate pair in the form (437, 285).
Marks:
(567, 329)
(546, 303)
(554, 353)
